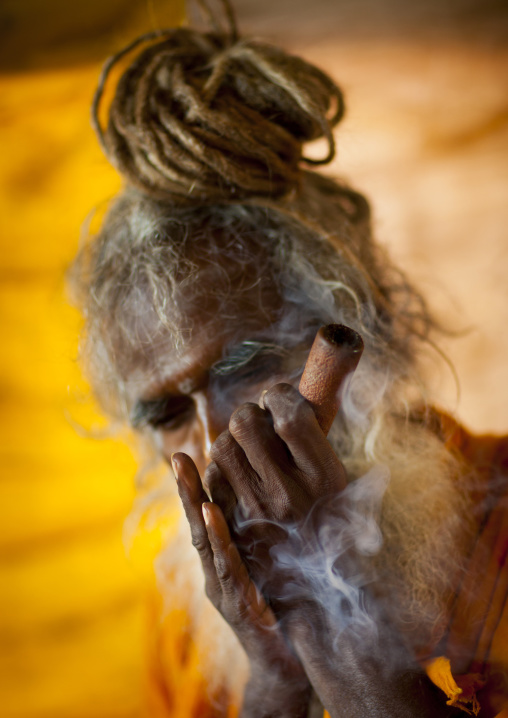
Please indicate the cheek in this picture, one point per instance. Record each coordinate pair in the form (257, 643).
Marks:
(188, 439)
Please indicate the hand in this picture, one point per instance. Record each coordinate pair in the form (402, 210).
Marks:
(275, 475)
(277, 459)
(277, 464)
(278, 685)
(372, 674)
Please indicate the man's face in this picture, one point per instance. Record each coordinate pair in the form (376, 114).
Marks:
(233, 352)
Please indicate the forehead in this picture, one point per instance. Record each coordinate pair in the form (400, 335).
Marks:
(210, 322)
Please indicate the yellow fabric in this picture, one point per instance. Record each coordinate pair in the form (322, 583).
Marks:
(440, 673)
(72, 612)
(473, 667)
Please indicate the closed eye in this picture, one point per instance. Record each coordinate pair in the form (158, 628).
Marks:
(167, 413)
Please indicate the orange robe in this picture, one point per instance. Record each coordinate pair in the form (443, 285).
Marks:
(476, 644)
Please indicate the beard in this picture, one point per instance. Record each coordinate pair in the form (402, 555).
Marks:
(422, 519)
(427, 529)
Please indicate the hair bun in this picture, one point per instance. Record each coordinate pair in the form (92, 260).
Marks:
(200, 118)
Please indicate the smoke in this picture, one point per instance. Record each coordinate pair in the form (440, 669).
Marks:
(395, 534)
(389, 533)
(321, 561)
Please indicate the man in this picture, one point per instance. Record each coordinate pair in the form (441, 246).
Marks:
(344, 568)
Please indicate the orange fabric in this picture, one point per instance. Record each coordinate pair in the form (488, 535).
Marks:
(175, 686)
(477, 640)
(461, 690)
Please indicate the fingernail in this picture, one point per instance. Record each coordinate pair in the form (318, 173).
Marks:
(174, 466)
(206, 513)
(262, 398)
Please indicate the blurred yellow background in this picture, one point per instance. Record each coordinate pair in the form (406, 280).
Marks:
(427, 138)
(72, 617)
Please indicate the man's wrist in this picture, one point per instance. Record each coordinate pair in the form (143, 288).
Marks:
(276, 692)
(371, 676)
(275, 702)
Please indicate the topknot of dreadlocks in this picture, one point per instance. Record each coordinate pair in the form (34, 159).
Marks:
(199, 118)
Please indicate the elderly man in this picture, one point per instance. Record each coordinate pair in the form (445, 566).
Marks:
(366, 568)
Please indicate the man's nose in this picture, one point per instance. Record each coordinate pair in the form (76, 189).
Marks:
(211, 422)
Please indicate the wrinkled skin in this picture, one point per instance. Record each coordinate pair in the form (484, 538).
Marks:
(278, 684)
(276, 463)
(267, 465)
(258, 457)
(292, 474)
(196, 404)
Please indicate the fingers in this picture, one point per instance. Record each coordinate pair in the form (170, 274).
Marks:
(252, 428)
(295, 423)
(277, 440)
(270, 456)
(241, 599)
(236, 470)
(227, 581)
(220, 490)
(192, 496)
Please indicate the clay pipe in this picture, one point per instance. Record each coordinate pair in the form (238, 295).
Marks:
(335, 353)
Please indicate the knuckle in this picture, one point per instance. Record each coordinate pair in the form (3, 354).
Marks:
(223, 570)
(244, 419)
(284, 505)
(289, 409)
(223, 444)
(283, 395)
(284, 425)
(200, 543)
(279, 392)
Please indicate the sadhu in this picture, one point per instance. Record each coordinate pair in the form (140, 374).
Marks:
(361, 572)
